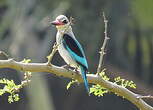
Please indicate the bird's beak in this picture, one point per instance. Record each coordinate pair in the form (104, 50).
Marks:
(56, 22)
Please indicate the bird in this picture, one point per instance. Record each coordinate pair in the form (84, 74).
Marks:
(69, 48)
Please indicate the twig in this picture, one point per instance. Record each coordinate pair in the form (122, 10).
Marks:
(102, 51)
(145, 97)
(2, 53)
(50, 57)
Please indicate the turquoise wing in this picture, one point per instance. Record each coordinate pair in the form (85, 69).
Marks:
(75, 50)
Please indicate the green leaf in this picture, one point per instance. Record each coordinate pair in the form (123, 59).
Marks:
(1, 92)
(16, 97)
(9, 87)
(103, 75)
(70, 83)
(10, 99)
(124, 83)
(26, 60)
(98, 90)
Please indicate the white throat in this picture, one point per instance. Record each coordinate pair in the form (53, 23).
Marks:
(64, 28)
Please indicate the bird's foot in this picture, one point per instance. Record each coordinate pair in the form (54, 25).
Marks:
(49, 64)
(66, 67)
(76, 70)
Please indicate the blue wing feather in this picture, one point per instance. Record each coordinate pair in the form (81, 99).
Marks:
(75, 50)
(83, 71)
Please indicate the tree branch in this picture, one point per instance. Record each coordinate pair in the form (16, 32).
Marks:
(102, 51)
(94, 79)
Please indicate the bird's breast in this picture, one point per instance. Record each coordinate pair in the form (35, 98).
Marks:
(64, 53)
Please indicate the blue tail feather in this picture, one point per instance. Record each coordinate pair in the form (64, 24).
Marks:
(84, 71)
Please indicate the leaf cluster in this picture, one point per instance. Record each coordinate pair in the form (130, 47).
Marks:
(9, 86)
(98, 90)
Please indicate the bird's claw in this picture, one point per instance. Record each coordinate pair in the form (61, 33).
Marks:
(55, 46)
(49, 64)
(66, 67)
(76, 70)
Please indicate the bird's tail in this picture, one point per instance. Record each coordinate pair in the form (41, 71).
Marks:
(83, 72)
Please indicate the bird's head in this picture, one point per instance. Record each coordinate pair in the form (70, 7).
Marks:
(61, 22)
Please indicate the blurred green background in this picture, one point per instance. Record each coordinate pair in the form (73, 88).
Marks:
(25, 33)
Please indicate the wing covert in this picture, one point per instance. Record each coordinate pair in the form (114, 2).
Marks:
(75, 50)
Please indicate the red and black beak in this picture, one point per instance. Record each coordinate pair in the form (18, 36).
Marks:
(57, 23)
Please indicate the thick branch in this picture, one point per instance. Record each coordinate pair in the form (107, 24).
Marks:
(94, 79)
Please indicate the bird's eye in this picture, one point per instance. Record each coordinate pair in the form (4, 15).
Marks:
(65, 21)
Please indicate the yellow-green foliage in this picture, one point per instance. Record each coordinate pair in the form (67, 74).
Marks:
(124, 83)
(98, 90)
(26, 60)
(70, 83)
(9, 86)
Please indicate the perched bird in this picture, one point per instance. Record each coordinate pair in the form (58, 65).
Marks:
(69, 48)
